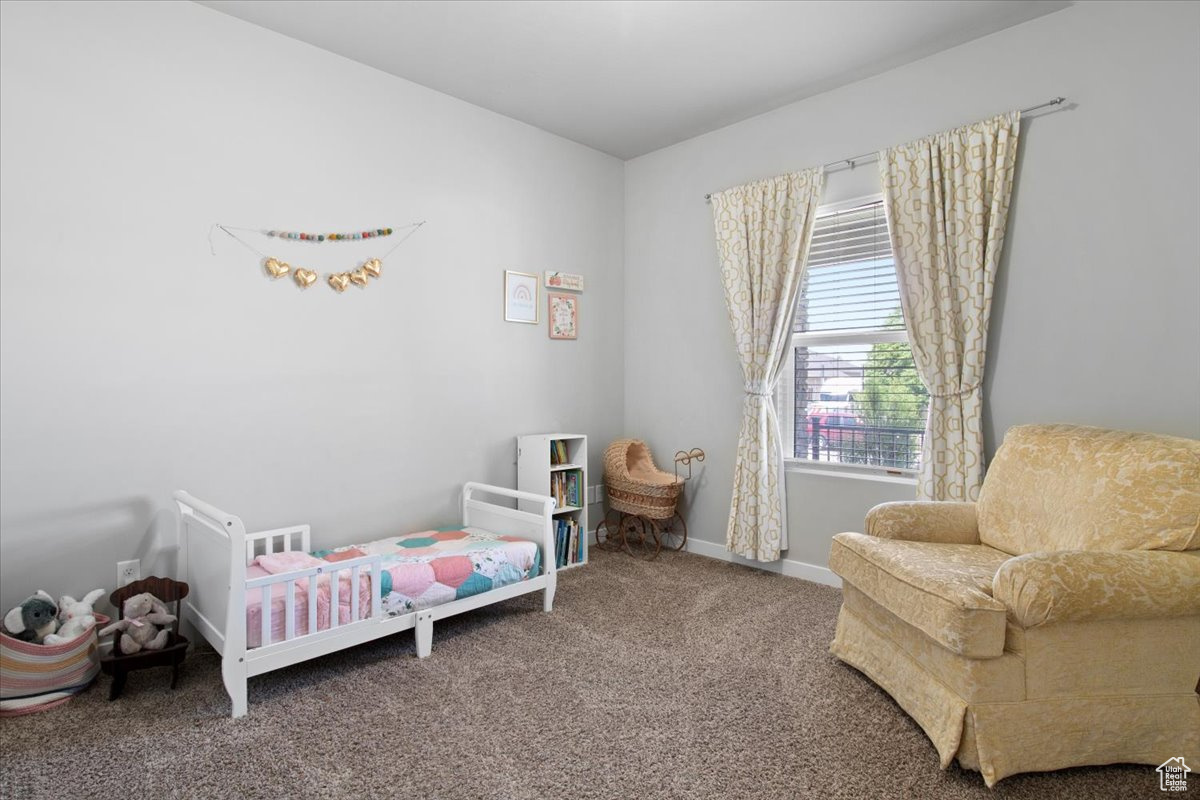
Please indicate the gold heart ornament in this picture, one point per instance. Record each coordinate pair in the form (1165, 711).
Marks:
(304, 277)
(276, 268)
(373, 267)
(359, 276)
(339, 281)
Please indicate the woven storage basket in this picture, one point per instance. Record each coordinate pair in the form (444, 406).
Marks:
(35, 677)
(635, 485)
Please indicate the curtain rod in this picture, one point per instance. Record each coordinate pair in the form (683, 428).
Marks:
(867, 158)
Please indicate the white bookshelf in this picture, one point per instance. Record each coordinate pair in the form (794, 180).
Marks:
(538, 472)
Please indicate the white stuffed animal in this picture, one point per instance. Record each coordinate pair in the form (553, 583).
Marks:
(74, 616)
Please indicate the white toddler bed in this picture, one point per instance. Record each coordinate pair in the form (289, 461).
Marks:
(216, 553)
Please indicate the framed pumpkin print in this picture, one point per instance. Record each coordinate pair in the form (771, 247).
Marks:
(520, 297)
(564, 315)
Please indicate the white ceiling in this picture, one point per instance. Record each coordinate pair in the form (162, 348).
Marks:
(629, 77)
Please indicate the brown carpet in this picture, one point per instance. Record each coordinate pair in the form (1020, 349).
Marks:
(681, 678)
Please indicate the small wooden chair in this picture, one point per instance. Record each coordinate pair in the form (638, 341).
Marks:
(119, 664)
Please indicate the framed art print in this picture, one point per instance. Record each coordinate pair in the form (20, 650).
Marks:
(520, 297)
(564, 280)
(564, 316)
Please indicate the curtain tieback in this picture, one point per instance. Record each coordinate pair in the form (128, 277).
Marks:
(960, 392)
(751, 390)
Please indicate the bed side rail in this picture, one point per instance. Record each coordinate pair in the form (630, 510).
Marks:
(294, 597)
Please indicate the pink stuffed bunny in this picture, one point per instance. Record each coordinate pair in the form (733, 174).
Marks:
(143, 613)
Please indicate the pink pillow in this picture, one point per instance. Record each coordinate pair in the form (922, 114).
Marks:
(344, 555)
(275, 563)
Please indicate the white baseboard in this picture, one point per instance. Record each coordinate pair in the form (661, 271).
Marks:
(785, 566)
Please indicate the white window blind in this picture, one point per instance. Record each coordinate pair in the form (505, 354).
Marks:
(851, 280)
(851, 394)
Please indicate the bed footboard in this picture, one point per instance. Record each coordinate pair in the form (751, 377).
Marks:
(535, 527)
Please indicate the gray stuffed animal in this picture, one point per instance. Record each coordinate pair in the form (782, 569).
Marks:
(33, 620)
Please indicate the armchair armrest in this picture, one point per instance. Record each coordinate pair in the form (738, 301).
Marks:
(937, 521)
(1085, 585)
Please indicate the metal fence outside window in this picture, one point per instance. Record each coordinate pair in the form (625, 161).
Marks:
(874, 445)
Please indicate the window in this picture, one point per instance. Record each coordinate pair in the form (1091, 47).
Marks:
(851, 394)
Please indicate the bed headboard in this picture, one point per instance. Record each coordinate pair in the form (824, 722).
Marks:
(209, 538)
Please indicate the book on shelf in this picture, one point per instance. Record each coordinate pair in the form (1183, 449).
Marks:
(558, 545)
(556, 489)
(568, 542)
(572, 488)
(567, 488)
(558, 452)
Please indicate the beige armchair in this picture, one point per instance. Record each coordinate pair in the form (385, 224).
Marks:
(1056, 622)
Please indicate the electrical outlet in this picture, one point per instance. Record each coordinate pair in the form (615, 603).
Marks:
(128, 572)
(595, 493)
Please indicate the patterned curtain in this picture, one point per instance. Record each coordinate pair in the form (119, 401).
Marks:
(763, 232)
(947, 204)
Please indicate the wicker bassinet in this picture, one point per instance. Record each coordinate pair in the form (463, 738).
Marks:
(635, 485)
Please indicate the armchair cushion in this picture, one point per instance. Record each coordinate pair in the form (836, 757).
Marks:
(944, 590)
(924, 521)
(1088, 585)
(1070, 487)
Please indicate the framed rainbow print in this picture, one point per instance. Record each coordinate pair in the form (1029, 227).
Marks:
(564, 316)
(520, 297)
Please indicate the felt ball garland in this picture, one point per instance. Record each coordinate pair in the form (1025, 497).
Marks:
(330, 237)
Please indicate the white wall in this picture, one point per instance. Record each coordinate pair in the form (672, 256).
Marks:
(134, 362)
(1094, 319)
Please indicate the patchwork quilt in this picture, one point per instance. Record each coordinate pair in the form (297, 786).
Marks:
(420, 570)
